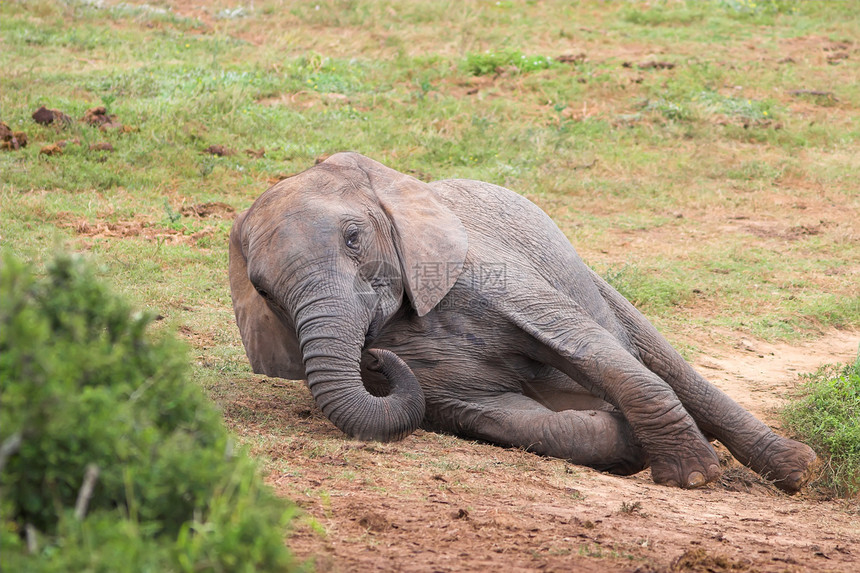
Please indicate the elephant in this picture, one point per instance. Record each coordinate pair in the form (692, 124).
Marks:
(459, 306)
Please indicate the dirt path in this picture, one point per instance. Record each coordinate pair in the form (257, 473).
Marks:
(757, 373)
(438, 503)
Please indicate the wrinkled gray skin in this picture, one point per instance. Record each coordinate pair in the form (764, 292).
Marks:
(459, 306)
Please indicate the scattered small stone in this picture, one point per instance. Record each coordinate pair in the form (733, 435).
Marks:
(786, 60)
(101, 146)
(656, 65)
(256, 153)
(45, 116)
(219, 150)
(52, 149)
(65, 142)
(571, 58)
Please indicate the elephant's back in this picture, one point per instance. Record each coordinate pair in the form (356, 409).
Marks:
(504, 223)
(505, 228)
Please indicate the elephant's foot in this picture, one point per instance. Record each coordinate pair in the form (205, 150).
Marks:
(787, 463)
(689, 462)
(632, 461)
(627, 457)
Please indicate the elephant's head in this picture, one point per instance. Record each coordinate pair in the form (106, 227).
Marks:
(321, 262)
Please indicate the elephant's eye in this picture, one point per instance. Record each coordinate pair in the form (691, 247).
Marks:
(262, 293)
(350, 237)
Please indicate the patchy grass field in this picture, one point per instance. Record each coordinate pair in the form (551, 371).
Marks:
(703, 156)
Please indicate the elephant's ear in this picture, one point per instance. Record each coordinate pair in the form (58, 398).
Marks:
(271, 348)
(431, 240)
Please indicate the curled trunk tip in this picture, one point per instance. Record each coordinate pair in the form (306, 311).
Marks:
(334, 378)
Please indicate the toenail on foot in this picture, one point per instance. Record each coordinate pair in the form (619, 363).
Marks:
(695, 479)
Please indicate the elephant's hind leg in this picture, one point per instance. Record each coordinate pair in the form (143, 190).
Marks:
(598, 439)
(787, 462)
(590, 355)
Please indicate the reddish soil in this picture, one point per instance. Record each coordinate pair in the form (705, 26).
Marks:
(147, 230)
(124, 229)
(215, 209)
(438, 503)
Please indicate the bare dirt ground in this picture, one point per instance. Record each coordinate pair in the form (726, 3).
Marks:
(439, 503)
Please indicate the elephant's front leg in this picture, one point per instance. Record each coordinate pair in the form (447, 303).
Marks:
(573, 343)
(787, 462)
(598, 439)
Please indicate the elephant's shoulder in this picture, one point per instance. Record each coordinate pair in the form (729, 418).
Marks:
(486, 200)
(478, 192)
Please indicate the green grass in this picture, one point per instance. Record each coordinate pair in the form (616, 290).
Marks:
(488, 63)
(826, 415)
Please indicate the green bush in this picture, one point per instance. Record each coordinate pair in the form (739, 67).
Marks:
(85, 387)
(826, 415)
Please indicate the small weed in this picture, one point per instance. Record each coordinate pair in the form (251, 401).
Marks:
(714, 103)
(313, 525)
(486, 63)
(825, 413)
(107, 101)
(630, 508)
(172, 216)
(753, 7)
(668, 109)
(589, 550)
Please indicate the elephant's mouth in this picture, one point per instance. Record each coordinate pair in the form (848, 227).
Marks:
(382, 314)
(373, 329)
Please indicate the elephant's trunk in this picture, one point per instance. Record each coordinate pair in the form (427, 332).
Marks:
(332, 357)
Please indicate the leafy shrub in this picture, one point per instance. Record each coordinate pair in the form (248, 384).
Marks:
(826, 415)
(85, 388)
(482, 64)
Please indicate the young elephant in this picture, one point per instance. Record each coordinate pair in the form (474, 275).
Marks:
(459, 306)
